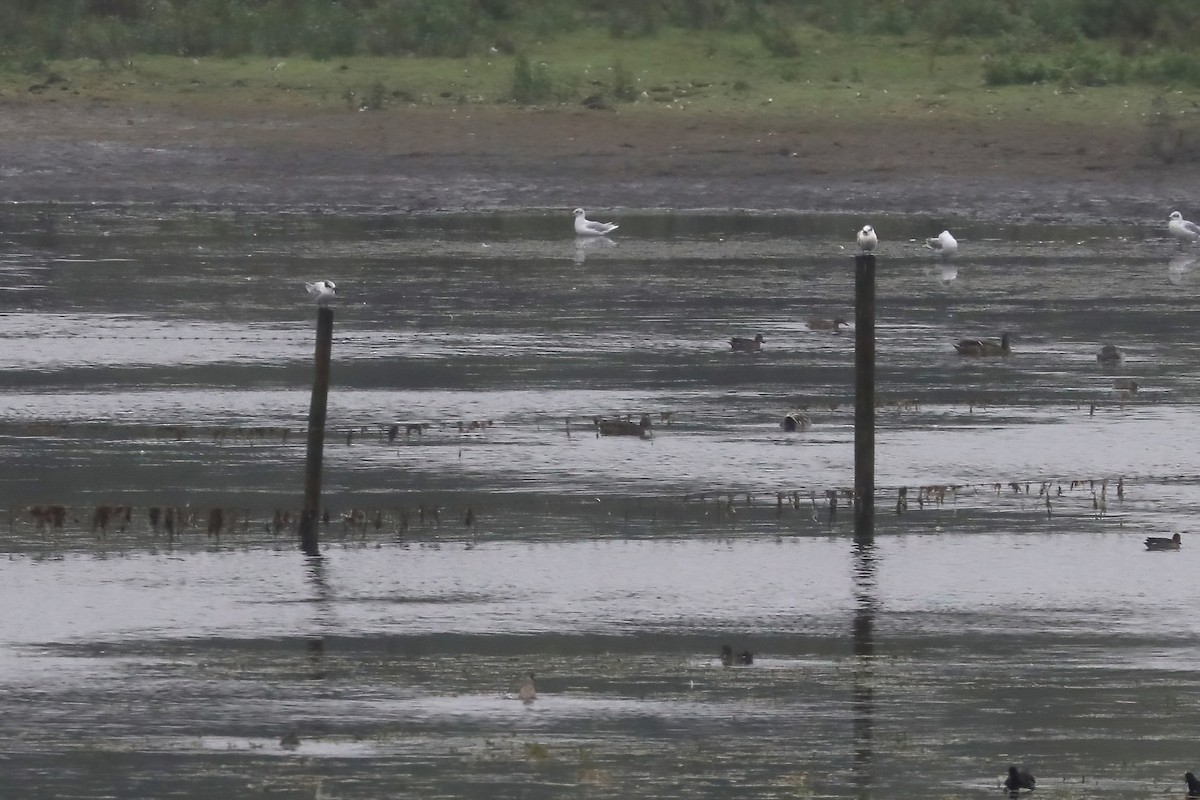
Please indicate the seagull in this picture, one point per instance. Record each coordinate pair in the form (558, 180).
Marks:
(324, 291)
(585, 227)
(1019, 779)
(944, 245)
(1181, 229)
(867, 239)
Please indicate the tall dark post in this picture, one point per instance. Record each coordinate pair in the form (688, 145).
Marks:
(864, 397)
(316, 433)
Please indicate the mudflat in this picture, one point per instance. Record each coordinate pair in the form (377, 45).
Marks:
(421, 159)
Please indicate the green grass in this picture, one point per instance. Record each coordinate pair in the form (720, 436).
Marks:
(850, 78)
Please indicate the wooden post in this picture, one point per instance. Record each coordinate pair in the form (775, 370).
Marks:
(864, 397)
(316, 433)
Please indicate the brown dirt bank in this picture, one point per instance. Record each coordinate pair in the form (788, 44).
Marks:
(425, 159)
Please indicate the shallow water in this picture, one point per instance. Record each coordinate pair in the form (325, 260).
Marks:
(162, 360)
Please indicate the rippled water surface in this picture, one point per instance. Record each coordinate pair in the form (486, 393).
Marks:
(162, 632)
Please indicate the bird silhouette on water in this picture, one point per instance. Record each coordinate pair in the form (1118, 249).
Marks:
(728, 658)
(984, 348)
(528, 692)
(1019, 779)
(743, 345)
(1162, 543)
(1193, 784)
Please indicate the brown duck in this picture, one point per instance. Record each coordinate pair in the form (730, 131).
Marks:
(982, 348)
(741, 345)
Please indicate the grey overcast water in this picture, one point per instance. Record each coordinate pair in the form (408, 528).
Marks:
(161, 632)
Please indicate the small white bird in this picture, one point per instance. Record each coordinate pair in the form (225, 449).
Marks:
(323, 291)
(585, 227)
(944, 245)
(1181, 229)
(867, 239)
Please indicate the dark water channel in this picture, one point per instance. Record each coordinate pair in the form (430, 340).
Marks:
(161, 632)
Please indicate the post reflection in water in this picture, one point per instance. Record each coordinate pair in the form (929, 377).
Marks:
(323, 619)
(863, 692)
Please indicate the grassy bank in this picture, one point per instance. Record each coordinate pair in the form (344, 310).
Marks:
(858, 79)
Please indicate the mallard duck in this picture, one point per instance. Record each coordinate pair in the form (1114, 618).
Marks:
(1110, 354)
(826, 324)
(1019, 779)
(943, 244)
(741, 345)
(1181, 229)
(1162, 543)
(623, 427)
(1192, 784)
(586, 227)
(290, 740)
(867, 239)
(984, 347)
(795, 421)
(528, 692)
(745, 658)
(727, 655)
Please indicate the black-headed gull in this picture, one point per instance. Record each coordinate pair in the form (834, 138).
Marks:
(585, 227)
(867, 239)
(323, 291)
(944, 245)
(1181, 229)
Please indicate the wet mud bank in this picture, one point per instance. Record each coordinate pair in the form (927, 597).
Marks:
(424, 160)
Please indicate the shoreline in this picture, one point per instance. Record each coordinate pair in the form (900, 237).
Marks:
(423, 159)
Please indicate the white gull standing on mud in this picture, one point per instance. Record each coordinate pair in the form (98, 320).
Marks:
(1181, 229)
(586, 227)
(944, 245)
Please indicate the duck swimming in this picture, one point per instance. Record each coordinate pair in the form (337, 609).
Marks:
(741, 345)
(984, 347)
(1161, 543)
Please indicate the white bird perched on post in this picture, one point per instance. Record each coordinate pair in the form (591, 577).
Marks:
(323, 291)
(944, 245)
(586, 227)
(1181, 229)
(867, 239)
